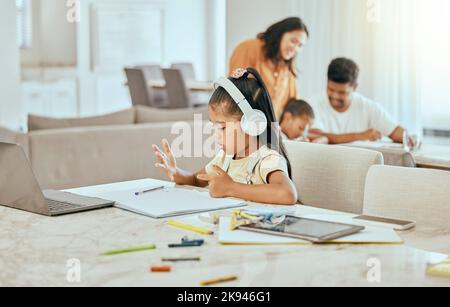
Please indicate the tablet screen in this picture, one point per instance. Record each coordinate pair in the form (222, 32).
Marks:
(307, 227)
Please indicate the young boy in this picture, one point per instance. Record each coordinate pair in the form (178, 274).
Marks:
(296, 121)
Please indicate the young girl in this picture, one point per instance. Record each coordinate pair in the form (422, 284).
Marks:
(253, 168)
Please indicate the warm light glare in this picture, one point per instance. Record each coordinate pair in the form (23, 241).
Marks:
(433, 43)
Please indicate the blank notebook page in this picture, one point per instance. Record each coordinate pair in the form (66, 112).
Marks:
(171, 202)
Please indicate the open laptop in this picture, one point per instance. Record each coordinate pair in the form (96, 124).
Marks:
(19, 188)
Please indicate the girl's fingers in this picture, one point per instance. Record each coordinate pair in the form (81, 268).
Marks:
(163, 162)
(204, 177)
(168, 151)
(155, 148)
(160, 158)
(166, 169)
(166, 147)
(161, 166)
(158, 151)
(218, 170)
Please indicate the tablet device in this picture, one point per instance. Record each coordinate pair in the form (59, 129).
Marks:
(315, 231)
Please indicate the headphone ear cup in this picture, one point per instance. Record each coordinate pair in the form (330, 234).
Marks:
(254, 124)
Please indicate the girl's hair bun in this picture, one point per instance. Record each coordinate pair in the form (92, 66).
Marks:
(240, 73)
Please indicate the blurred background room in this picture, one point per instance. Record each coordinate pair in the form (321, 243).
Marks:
(83, 58)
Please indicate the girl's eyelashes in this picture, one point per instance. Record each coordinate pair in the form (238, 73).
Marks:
(220, 126)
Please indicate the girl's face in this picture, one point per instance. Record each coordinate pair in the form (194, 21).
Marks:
(291, 43)
(228, 131)
(294, 126)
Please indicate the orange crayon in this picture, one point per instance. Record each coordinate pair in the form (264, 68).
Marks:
(161, 269)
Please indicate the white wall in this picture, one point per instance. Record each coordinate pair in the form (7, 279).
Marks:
(186, 33)
(246, 19)
(216, 15)
(10, 106)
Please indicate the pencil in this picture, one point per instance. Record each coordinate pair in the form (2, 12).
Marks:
(184, 226)
(218, 281)
(180, 259)
(129, 250)
(188, 244)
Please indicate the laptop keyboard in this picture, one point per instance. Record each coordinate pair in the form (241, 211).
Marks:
(57, 206)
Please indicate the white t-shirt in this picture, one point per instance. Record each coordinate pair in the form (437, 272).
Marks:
(363, 114)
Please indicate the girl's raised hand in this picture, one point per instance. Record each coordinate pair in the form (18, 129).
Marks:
(220, 183)
(166, 159)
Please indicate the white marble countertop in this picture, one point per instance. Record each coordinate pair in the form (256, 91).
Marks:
(35, 251)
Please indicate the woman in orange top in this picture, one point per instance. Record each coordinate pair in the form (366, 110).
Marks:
(273, 54)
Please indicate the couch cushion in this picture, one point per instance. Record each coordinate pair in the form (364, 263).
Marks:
(331, 177)
(153, 115)
(125, 117)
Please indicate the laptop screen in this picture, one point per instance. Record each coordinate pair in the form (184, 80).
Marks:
(19, 188)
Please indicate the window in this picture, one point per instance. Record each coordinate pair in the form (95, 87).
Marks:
(434, 47)
(24, 24)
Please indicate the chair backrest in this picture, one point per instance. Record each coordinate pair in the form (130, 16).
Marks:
(177, 93)
(331, 177)
(152, 72)
(420, 195)
(140, 92)
(187, 70)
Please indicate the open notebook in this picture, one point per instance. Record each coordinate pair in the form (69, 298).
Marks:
(168, 202)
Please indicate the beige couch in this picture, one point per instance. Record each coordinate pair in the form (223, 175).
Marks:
(88, 156)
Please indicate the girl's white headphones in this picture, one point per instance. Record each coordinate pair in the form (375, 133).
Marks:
(254, 122)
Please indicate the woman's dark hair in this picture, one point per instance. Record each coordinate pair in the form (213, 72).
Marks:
(273, 35)
(257, 95)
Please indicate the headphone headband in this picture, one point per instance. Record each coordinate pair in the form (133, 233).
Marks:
(254, 122)
(236, 94)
